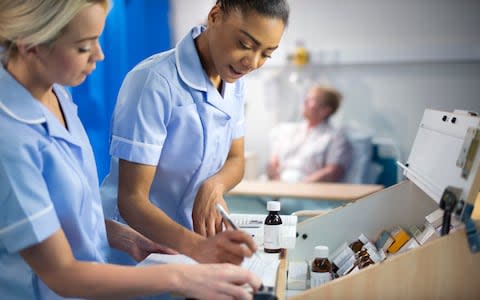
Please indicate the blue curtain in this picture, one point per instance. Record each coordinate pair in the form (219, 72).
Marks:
(133, 31)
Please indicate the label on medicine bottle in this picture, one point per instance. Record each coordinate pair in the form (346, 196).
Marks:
(272, 237)
(317, 279)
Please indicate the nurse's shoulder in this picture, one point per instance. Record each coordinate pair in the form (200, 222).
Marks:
(20, 139)
(154, 82)
(161, 64)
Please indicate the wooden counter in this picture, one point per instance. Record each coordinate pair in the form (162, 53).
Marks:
(317, 191)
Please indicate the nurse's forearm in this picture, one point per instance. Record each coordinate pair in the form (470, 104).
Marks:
(152, 222)
(230, 175)
(233, 170)
(135, 181)
(52, 260)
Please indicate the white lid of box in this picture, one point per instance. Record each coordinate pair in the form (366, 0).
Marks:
(433, 163)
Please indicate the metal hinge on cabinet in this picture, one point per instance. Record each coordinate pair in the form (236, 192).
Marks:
(451, 203)
(469, 148)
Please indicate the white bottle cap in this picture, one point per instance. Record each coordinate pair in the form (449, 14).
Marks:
(273, 205)
(321, 251)
(362, 238)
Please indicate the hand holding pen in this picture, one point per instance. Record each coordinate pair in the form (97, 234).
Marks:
(229, 220)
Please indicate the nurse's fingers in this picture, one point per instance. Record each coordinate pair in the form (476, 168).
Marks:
(219, 224)
(199, 226)
(228, 257)
(217, 281)
(232, 246)
(211, 226)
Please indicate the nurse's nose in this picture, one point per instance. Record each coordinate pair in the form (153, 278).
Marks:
(253, 61)
(98, 52)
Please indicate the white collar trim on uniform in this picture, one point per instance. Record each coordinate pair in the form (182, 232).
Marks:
(188, 61)
(14, 116)
(14, 98)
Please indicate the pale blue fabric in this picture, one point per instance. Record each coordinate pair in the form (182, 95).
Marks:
(48, 181)
(169, 115)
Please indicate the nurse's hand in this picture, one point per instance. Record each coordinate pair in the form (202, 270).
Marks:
(142, 247)
(229, 246)
(124, 238)
(206, 220)
(216, 281)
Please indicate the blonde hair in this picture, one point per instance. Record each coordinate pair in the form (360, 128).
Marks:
(330, 98)
(36, 22)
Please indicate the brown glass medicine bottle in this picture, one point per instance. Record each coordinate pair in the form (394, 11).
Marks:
(272, 228)
(357, 245)
(362, 260)
(321, 269)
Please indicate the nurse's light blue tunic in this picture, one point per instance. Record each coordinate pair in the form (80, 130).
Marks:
(169, 115)
(47, 180)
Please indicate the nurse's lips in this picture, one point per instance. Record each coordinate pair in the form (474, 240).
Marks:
(237, 73)
(88, 72)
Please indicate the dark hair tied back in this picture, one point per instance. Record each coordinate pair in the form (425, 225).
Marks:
(270, 8)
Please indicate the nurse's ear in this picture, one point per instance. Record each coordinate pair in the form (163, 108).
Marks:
(33, 53)
(27, 52)
(215, 16)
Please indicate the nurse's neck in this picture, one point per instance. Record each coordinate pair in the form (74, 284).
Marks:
(207, 62)
(28, 78)
(216, 81)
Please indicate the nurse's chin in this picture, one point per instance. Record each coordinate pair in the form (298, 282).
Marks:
(231, 79)
(74, 82)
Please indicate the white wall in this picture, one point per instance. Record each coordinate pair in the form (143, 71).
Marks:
(187, 13)
(390, 59)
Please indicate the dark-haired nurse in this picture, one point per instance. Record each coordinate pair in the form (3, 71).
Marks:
(177, 140)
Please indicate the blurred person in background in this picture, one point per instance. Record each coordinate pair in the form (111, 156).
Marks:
(311, 150)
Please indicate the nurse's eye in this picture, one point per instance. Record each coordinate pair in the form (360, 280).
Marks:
(83, 49)
(244, 45)
(266, 55)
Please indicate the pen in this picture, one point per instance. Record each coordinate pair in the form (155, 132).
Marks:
(224, 214)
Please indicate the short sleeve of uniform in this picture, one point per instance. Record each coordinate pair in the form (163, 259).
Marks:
(139, 123)
(27, 215)
(339, 150)
(239, 126)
